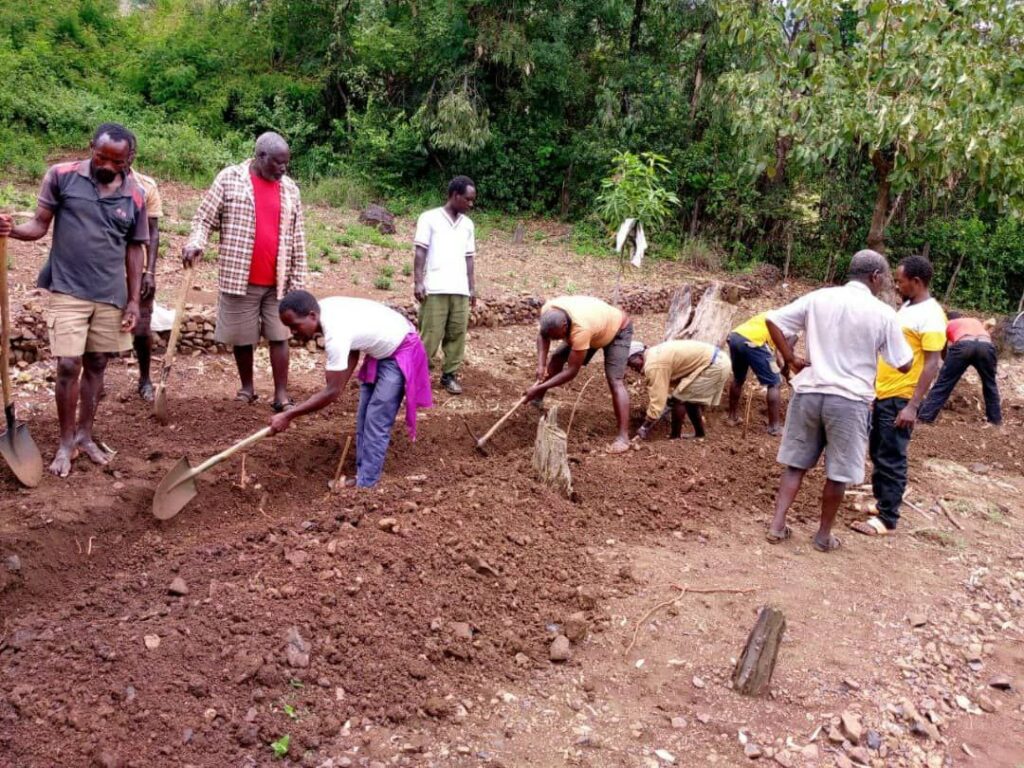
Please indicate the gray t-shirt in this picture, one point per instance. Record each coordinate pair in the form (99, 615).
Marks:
(90, 234)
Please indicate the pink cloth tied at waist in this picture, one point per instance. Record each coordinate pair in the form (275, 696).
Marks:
(411, 358)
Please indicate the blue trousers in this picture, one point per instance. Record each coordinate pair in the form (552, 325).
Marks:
(378, 407)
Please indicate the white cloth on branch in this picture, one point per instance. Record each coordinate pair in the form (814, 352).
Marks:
(641, 240)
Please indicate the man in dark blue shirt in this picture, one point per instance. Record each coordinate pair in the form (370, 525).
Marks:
(93, 274)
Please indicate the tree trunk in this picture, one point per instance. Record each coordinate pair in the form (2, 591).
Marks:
(550, 454)
(698, 75)
(876, 235)
(695, 217)
(789, 253)
(564, 201)
(634, 27)
(952, 279)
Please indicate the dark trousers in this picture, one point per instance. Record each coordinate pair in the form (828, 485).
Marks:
(959, 357)
(888, 446)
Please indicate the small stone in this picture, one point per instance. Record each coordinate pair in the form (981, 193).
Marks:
(980, 469)
(178, 587)
(752, 751)
(679, 723)
(210, 714)
(874, 740)
(842, 761)
(835, 736)
(419, 670)
(437, 707)
(963, 702)
(575, 627)
(697, 682)
(986, 704)
(388, 524)
(917, 619)
(152, 641)
(785, 759)
(851, 727)
(860, 756)
(106, 758)
(665, 756)
(810, 753)
(13, 563)
(703, 718)
(296, 649)
(1001, 683)
(559, 650)
(462, 630)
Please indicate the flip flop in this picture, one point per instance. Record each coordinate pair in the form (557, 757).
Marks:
(833, 544)
(873, 526)
(775, 538)
(244, 397)
(280, 407)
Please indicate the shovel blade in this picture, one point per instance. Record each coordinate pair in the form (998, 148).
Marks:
(22, 455)
(160, 403)
(176, 490)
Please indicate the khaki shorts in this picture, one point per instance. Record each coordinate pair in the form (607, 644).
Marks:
(707, 388)
(241, 320)
(77, 326)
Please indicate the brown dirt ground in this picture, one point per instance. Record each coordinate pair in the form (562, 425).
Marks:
(393, 679)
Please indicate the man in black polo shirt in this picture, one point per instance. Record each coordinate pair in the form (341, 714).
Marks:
(94, 274)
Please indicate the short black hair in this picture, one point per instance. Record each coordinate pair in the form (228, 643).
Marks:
(115, 132)
(302, 303)
(918, 266)
(953, 315)
(459, 185)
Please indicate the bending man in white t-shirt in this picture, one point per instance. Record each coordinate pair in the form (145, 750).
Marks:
(394, 366)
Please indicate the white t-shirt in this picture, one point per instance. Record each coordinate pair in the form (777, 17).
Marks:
(359, 324)
(847, 329)
(448, 243)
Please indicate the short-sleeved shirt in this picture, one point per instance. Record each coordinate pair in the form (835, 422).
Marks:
(449, 243)
(360, 324)
(965, 326)
(924, 327)
(592, 323)
(755, 330)
(847, 329)
(154, 203)
(90, 233)
(673, 364)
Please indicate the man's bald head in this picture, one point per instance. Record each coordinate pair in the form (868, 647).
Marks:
(271, 156)
(869, 267)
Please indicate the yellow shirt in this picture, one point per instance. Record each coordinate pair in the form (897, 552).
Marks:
(592, 323)
(924, 328)
(673, 365)
(755, 330)
(154, 205)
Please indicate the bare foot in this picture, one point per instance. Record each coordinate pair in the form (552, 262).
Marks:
(93, 451)
(61, 465)
(621, 445)
(734, 421)
(775, 431)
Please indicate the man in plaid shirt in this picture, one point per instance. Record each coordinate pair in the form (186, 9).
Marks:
(262, 257)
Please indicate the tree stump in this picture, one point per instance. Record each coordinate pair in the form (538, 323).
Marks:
(713, 318)
(379, 218)
(679, 312)
(519, 233)
(551, 454)
(753, 672)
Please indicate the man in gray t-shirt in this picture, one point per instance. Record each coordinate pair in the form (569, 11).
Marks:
(93, 274)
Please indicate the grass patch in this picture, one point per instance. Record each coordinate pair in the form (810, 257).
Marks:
(383, 280)
(407, 269)
(338, 192)
(361, 233)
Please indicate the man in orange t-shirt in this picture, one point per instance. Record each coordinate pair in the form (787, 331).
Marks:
(970, 345)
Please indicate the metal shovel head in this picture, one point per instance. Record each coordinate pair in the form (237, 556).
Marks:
(21, 454)
(160, 403)
(176, 490)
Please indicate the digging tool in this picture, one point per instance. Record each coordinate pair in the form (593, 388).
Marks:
(16, 444)
(481, 442)
(333, 485)
(178, 487)
(160, 398)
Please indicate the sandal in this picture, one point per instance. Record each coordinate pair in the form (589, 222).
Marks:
(833, 544)
(146, 392)
(776, 538)
(873, 526)
(245, 397)
(280, 407)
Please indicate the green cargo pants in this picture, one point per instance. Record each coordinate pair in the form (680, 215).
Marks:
(444, 320)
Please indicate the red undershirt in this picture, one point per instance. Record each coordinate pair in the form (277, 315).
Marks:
(267, 196)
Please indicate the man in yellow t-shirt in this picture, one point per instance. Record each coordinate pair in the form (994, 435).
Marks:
(899, 395)
(751, 349)
(586, 325)
(683, 376)
(142, 339)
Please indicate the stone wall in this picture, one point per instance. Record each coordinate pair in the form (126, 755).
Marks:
(29, 338)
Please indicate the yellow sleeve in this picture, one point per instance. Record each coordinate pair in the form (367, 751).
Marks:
(579, 338)
(933, 341)
(154, 204)
(657, 390)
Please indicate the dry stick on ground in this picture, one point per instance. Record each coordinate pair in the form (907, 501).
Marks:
(572, 414)
(746, 413)
(949, 515)
(682, 591)
(341, 462)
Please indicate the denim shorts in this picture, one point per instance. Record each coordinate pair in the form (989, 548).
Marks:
(832, 424)
(761, 360)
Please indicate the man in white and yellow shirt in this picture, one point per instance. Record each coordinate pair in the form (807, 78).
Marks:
(899, 395)
(751, 349)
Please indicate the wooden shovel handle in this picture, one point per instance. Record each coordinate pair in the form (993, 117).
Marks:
(5, 334)
(179, 311)
(501, 421)
(214, 460)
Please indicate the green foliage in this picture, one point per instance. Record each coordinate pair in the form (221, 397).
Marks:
(280, 747)
(635, 190)
(383, 280)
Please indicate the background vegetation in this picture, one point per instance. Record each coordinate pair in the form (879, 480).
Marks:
(789, 132)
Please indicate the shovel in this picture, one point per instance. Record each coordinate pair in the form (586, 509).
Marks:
(160, 398)
(178, 487)
(482, 441)
(16, 444)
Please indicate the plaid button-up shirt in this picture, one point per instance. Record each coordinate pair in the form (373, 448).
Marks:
(229, 206)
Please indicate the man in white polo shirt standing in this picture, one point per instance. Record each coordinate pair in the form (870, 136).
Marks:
(445, 244)
(847, 330)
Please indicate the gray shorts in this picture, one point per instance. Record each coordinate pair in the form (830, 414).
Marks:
(830, 423)
(241, 320)
(616, 354)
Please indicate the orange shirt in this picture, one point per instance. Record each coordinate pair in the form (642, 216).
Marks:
(592, 323)
(964, 326)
